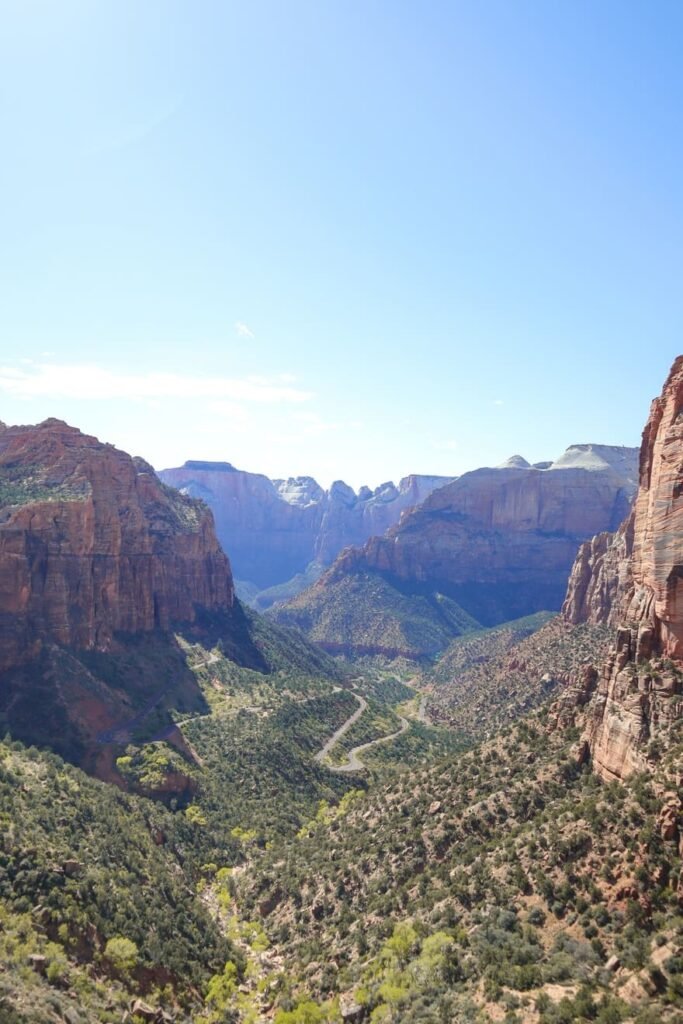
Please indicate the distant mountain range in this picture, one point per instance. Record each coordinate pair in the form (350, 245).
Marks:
(276, 530)
(493, 545)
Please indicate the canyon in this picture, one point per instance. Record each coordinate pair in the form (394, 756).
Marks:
(275, 529)
(124, 648)
(498, 542)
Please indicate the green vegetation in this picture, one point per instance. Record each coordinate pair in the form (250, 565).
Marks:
(264, 599)
(376, 721)
(419, 745)
(258, 776)
(446, 883)
(93, 878)
(484, 880)
(185, 513)
(486, 680)
(481, 645)
(364, 613)
(25, 485)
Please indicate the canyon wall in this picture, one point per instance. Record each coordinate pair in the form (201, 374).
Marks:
(274, 529)
(498, 542)
(633, 580)
(93, 544)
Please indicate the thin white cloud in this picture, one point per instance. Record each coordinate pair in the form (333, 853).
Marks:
(243, 330)
(498, 401)
(78, 381)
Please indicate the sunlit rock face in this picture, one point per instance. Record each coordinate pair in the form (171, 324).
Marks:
(274, 529)
(93, 544)
(502, 541)
(633, 580)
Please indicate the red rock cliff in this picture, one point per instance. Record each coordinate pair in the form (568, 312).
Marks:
(92, 543)
(275, 528)
(634, 581)
(502, 541)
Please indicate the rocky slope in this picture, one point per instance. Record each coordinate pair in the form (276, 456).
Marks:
(358, 614)
(485, 680)
(507, 884)
(499, 542)
(633, 581)
(274, 529)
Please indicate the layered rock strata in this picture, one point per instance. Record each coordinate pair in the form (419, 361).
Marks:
(500, 542)
(275, 529)
(93, 544)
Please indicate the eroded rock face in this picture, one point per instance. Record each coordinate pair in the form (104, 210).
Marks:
(656, 593)
(633, 581)
(93, 544)
(502, 541)
(274, 529)
(597, 577)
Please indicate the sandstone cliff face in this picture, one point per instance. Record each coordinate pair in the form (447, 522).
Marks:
(597, 577)
(633, 581)
(502, 541)
(92, 544)
(274, 529)
(495, 545)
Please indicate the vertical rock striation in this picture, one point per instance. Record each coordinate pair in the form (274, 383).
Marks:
(633, 580)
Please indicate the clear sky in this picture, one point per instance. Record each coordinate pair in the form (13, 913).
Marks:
(343, 238)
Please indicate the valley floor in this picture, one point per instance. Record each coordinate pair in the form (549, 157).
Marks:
(316, 850)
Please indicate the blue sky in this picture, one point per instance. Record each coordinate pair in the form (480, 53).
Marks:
(349, 239)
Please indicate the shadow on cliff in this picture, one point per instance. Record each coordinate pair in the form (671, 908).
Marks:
(232, 632)
(75, 701)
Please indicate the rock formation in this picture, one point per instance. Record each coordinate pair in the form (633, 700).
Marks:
(92, 544)
(99, 561)
(634, 581)
(274, 529)
(499, 542)
(593, 587)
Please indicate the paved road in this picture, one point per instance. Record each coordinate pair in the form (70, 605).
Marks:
(354, 763)
(336, 736)
(211, 660)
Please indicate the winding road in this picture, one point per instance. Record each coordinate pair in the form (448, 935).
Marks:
(353, 762)
(336, 736)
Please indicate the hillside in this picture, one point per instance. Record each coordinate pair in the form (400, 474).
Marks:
(365, 614)
(488, 679)
(507, 882)
(507, 848)
(96, 898)
(105, 575)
